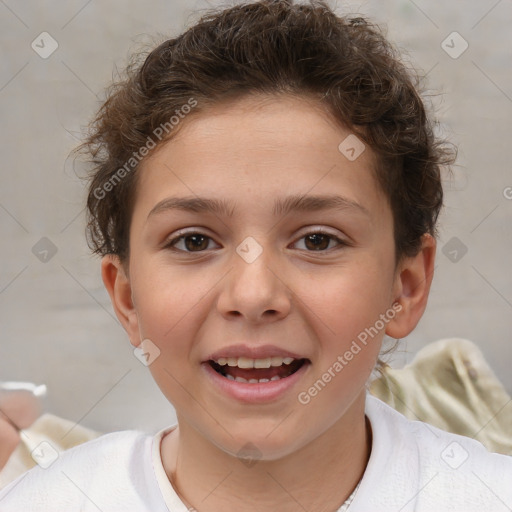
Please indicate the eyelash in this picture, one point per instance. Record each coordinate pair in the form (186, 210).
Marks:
(170, 244)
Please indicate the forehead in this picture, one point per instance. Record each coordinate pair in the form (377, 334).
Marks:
(260, 147)
(263, 122)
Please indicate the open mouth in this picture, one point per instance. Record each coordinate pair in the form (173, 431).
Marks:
(255, 371)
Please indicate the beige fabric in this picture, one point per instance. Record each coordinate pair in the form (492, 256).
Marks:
(60, 433)
(448, 384)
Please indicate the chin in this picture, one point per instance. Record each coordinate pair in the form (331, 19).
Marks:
(251, 447)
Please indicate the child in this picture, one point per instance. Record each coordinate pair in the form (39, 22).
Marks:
(294, 146)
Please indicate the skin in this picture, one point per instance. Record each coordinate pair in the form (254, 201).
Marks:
(9, 439)
(312, 302)
(18, 411)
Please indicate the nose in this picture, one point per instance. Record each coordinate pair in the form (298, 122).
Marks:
(255, 289)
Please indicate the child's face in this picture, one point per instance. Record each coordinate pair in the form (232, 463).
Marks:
(214, 299)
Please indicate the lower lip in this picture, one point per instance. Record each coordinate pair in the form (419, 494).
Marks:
(257, 392)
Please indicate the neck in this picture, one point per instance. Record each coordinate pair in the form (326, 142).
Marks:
(210, 480)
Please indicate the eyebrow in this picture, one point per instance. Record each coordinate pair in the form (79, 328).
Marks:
(282, 206)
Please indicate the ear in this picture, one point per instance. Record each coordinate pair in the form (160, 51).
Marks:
(119, 288)
(411, 288)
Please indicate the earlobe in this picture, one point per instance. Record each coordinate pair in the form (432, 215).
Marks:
(119, 289)
(412, 287)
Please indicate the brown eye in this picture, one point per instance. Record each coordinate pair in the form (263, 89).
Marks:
(193, 242)
(320, 241)
(196, 242)
(317, 241)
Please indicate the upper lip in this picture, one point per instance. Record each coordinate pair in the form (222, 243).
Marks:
(259, 352)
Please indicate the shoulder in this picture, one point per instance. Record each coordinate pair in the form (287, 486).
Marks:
(433, 445)
(108, 472)
(422, 467)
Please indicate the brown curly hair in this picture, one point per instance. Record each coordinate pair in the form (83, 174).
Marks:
(269, 47)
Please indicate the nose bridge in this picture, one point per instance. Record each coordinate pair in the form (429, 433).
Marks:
(252, 270)
(254, 284)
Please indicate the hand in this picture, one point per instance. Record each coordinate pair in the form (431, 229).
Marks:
(20, 406)
(9, 439)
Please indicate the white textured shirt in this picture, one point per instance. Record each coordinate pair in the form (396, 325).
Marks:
(413, 467)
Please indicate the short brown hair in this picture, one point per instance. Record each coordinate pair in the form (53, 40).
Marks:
(271, 47)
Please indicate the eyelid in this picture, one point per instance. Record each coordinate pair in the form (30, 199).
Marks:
(183, 233)
(341, 237)
(170, 241)
(318, 229)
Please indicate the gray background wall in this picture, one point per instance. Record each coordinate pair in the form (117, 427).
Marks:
(56, 322)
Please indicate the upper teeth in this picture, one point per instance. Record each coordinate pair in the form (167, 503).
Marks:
(245, 362)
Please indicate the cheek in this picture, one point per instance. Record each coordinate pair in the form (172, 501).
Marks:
(170, 315)
(345, 311)
(348, 300)
(168, 304)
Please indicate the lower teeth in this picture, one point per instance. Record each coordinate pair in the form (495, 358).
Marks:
(251, 381)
